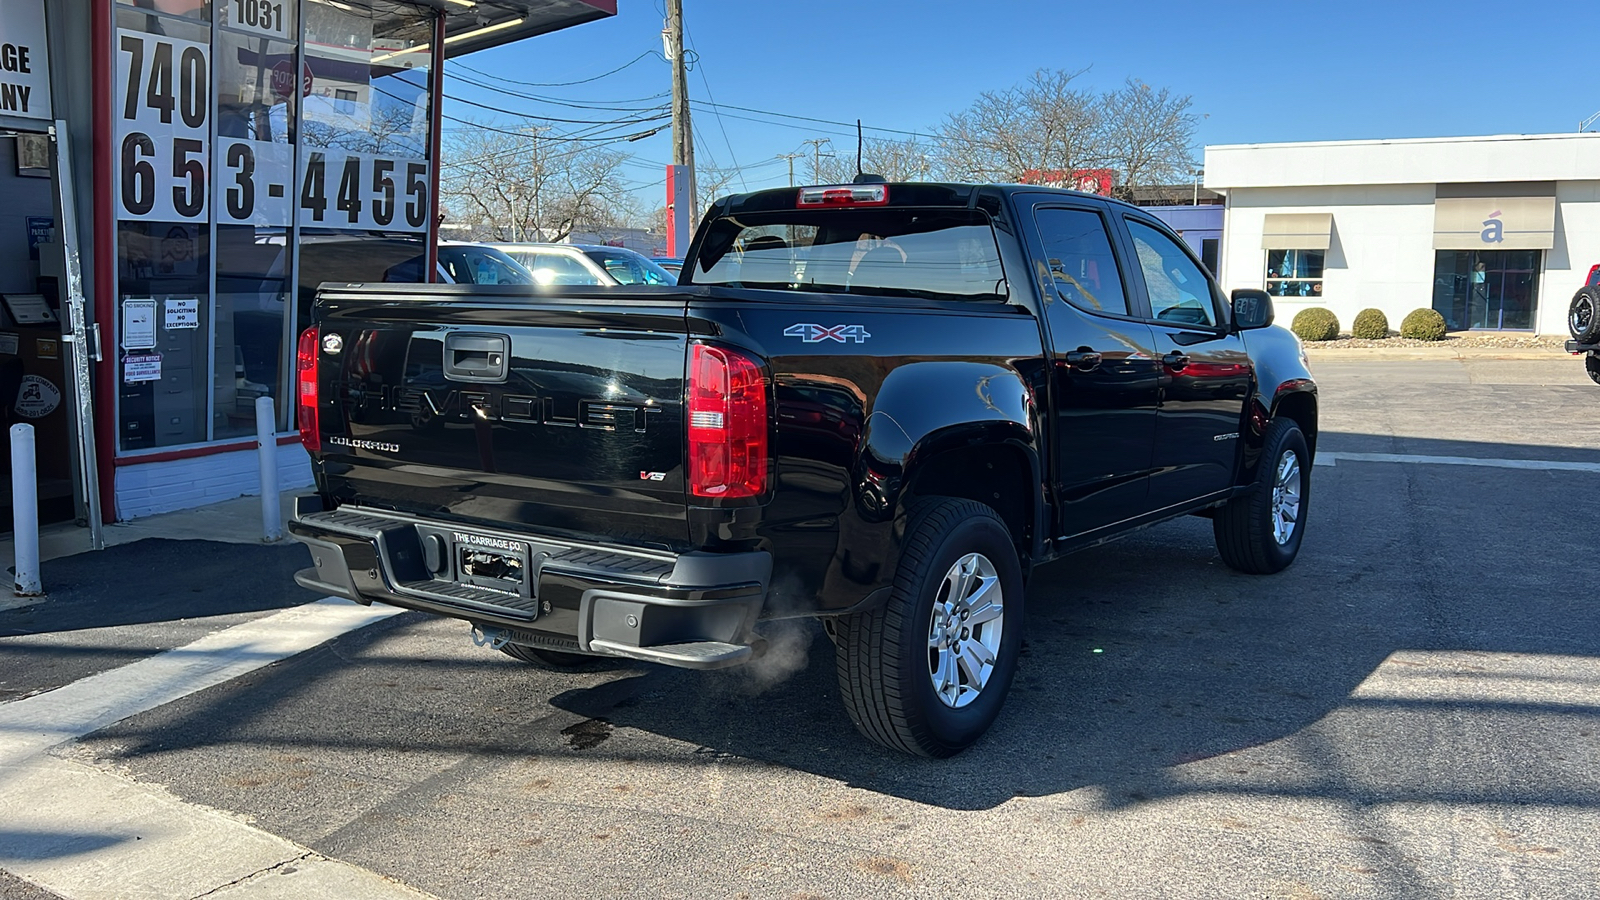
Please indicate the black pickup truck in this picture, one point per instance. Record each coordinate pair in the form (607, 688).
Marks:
(878, 404)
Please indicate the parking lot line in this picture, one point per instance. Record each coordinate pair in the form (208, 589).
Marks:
(1333, 457)
(86, 833)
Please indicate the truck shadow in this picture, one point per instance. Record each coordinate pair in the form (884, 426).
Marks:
(1149, 664)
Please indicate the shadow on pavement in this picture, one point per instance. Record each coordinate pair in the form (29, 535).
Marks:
(18, 845)
(130, 601)
(160, 580)
(1143, 657)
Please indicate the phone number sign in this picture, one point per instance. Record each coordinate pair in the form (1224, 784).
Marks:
(163, 109)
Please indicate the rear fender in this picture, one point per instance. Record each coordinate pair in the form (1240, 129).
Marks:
(929, 422)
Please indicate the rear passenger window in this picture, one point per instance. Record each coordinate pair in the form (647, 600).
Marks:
(1180, 294)
(1081, 263)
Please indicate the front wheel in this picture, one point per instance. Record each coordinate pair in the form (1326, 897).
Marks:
(1260, 532)
(928, 672)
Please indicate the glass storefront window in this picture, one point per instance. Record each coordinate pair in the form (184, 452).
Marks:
(1486, 288)
(162, 131)
(163, 352)
(1294, 273)
(261, 148)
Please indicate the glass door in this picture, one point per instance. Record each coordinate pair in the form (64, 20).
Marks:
(1486, 289)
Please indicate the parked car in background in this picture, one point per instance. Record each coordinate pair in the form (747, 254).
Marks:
(1583, 320)
(481, 264)
(586, 264)
(672, 264)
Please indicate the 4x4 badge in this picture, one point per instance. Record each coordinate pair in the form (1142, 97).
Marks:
(816, 334)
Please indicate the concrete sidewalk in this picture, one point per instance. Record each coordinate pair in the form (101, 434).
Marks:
(236, 521)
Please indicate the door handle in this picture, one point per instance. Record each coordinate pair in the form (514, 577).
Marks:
(476, 357)
(1084, 360)
(1175, 360)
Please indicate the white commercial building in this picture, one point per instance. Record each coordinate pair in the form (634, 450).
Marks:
(1494, 232)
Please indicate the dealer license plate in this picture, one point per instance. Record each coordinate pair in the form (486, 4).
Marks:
(490, 562)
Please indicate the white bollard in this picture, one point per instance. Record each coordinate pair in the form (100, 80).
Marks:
(267, 453)
(25, 511)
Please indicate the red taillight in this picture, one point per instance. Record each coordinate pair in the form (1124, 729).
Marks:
(306, 388)
(727, 424)
(844, 195)
(1594, 275)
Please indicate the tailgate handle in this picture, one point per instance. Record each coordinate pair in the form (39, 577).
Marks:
(476, 357)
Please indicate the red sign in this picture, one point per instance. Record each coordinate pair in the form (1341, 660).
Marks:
(283, 79)
(1089, 181)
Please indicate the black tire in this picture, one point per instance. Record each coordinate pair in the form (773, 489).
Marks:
(1583, 316)
(884, 658)
(1244, 528)
(552, 659)
(1591, 364)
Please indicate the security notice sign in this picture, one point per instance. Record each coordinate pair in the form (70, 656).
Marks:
(24, 60)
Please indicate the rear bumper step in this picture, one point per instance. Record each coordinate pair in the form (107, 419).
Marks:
(693, 610)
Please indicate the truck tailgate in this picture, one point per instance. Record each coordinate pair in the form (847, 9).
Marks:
(564, 415)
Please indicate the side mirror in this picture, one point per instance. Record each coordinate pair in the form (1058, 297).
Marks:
(1252, 308)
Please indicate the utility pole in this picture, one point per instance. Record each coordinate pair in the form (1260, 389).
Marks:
(682, 132)
(791, 157)
(816, 155)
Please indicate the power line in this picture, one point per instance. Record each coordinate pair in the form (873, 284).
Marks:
(707, 82)
(559, 83)
(528, 115)
(586, 104)
(613, 139)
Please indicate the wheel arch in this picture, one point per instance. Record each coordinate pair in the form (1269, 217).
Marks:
(1299, 403)
(994, 465)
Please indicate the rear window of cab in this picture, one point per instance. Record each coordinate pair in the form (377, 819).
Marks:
(917, 252)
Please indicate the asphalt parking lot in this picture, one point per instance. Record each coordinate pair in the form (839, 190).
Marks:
(1411, 711)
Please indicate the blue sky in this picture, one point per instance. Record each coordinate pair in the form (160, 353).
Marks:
(1256, 71)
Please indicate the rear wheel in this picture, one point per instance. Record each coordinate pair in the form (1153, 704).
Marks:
(928, 672)
(1591, 364)
(1260, 532)
(1583, 316)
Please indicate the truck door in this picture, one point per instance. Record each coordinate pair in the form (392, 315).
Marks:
(1103, 370)
(1205, 372)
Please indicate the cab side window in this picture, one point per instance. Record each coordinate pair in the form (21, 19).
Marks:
(1180, 294)
(1082, 266)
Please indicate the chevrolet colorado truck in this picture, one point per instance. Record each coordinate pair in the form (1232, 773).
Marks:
(881, 405)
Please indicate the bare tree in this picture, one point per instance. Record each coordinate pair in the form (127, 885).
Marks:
(1148, 137)
(712, 183)
(1042, 124)
(526, 186)
(1047, 131)
(907, 160)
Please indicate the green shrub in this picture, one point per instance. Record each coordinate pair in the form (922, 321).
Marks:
(1370, 325)
(1423, 325)
(1316, 324)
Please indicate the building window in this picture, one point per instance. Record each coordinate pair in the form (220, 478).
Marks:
(1486, 288)
(1294, 273)
(344, 102)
